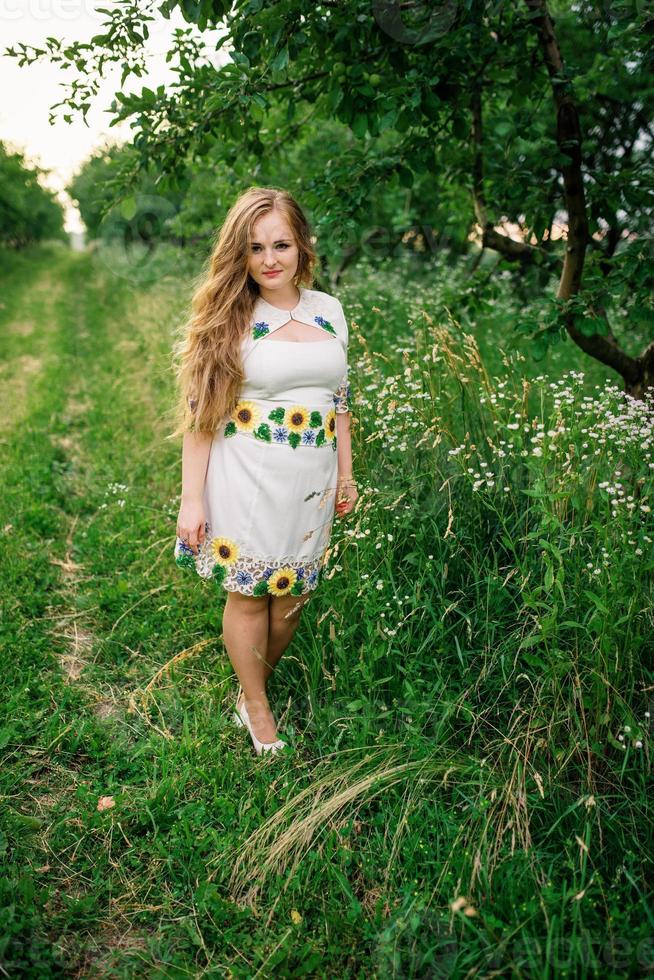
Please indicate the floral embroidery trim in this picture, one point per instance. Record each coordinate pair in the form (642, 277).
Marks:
(220, 559)
(245, 416)
(320, 320)
(261, 329)
(343, 397)
(294, 426)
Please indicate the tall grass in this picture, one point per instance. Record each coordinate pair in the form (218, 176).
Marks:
(497, 578)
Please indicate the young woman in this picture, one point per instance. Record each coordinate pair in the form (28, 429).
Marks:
(267, 457)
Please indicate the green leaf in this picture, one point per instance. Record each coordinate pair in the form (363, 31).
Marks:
(263, 432)
(360, 125)
(387, 121)
(405, 176)
(280, 60)
(27, 821)
(539, 346)
(184, 560)
(548, 546)
(460, 127)
(530, 641)
(597, 601)
(587, 325)
(128, 207)
(404, 120)
(503, 127)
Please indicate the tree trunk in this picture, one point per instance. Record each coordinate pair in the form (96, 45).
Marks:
(637, 372)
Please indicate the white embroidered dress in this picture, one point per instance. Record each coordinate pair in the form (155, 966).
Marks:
(270, 487)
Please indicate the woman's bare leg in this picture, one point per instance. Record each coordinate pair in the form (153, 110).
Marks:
(283, 620)
(245, 633)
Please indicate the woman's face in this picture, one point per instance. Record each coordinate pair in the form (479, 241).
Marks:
(273, 250)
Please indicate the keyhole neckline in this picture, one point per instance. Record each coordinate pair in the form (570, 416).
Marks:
(279, 308)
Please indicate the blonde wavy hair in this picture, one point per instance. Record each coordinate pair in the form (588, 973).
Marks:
(207, 358)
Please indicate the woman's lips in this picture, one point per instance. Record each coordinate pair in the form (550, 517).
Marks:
(272, 273)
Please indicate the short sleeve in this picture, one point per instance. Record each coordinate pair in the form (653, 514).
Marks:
(343, 393)
(191, 414)
(343, 396)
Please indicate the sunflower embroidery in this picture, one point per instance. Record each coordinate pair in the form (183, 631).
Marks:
(246, 416)
(297, 418)
(225, 551)
(282, 581)
(320, 320)
(294, 426)
(330, 424)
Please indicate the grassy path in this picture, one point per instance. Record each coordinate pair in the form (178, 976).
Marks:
(116, 683)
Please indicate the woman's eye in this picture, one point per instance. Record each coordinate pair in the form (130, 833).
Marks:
(284, 245)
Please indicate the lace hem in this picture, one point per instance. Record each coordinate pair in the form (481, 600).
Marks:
(220, 559)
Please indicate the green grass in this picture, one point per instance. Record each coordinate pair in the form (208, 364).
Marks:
(465, 694)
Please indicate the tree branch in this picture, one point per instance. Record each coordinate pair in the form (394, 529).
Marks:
(568, 137)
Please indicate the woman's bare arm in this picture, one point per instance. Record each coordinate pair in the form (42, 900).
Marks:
(195, 457)
(346, 491)
(344, 445)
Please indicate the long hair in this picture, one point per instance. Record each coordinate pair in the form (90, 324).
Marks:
(207, 357)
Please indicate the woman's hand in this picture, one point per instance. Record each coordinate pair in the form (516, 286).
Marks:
(190, 523)
(346, 495)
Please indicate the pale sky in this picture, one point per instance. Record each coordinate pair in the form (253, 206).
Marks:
(28, 92)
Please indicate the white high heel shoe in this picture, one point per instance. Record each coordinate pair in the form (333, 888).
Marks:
(242, 718)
